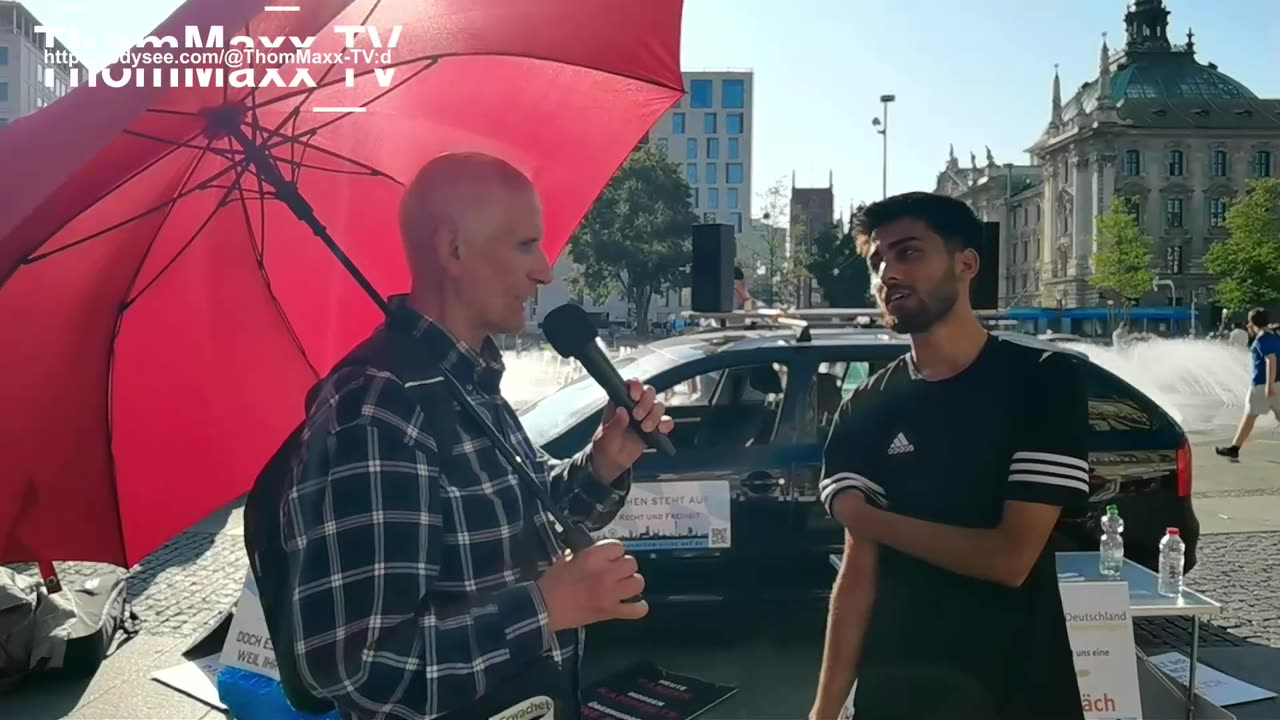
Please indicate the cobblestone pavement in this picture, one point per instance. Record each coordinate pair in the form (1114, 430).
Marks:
(192, 580)
(1242, 572)
(180, 588)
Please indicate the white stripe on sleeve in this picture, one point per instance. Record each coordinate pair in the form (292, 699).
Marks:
(1052, 458)
(1050, 469)
(1050, 480)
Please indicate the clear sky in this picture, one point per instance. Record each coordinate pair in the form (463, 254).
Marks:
(968, 72)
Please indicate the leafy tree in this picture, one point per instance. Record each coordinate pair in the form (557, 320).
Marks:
(1247, 263)
(834, 263)
(1123, 261)
(783, 260)
(636, 238)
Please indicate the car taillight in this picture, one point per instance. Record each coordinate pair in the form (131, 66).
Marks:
(1184, 467)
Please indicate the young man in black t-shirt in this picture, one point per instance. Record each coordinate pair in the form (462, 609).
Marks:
(949, 469)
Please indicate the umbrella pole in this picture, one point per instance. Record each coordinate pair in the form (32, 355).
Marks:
(50, 575)
(288, 192)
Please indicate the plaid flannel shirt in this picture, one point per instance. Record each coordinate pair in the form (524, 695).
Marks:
(410, 599)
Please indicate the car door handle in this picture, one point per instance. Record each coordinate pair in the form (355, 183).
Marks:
(761, 482)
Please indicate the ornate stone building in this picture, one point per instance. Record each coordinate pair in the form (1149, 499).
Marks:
(1010, 195)
(1179, 136)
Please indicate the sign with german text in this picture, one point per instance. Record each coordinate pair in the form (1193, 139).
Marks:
(1101, 634)
(644, 691)
(673, 516)
(248, 644)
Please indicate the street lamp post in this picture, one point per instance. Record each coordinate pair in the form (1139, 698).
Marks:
(882, 127)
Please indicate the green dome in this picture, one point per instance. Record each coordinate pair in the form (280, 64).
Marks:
(1175, 78)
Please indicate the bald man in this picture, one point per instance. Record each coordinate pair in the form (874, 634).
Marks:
(428, 581)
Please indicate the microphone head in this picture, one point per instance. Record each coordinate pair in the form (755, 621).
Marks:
(569, 330)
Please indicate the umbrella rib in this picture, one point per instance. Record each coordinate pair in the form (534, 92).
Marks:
(311, 91)
(373, 171)
(240, 171)
(137, 216)
(322, 168)
(137, 173)
(266, 278)
(207, 147)
(431, 62)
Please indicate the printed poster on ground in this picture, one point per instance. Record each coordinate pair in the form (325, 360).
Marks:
(673, 516)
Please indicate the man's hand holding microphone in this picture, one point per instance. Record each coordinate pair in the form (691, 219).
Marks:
(601, 582)
(592, 586)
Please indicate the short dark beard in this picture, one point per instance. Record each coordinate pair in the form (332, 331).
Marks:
(938, 303)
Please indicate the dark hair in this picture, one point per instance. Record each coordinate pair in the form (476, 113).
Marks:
(952, 219)
(1259, 318)
(737, 274)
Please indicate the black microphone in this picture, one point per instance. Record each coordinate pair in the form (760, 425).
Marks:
(572, 334)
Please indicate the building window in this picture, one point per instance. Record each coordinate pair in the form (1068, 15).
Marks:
(691, 149)
(1219, 163)
(1173, 212)
(677, 123)
(700, 94)
(733, 94)
(1132, 163)
(709, 123)
(1175, 163)
(662, 145)
(713, 198)
(733, 173)
(733, 148)
(736, 219)
(1173, 260)
(4, 92)
(1217, 212)
(731, 199)
(4, 55)
(733, 123)
(711, 173)
(713, 148)
(691, 172)
(710, 218)
(1262, 163)
(693, 197)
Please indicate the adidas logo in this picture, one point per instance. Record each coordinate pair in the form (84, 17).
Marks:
(900, 445)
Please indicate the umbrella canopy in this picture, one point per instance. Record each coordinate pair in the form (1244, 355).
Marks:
(165, 301)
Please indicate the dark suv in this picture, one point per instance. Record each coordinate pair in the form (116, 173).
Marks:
(753, 408)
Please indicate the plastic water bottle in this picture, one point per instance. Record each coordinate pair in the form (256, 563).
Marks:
(1172, 551)
(1111, 551)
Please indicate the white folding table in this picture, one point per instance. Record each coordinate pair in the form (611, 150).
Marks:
(1146, 601)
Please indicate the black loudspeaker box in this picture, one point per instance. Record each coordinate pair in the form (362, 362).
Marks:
(984, 292)
(711, 273)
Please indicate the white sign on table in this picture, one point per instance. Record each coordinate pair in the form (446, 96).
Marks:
(673, 516)
(1216, 687)
(248, 645)
(1101, 636)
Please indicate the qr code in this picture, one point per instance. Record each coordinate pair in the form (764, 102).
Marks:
(719, 536)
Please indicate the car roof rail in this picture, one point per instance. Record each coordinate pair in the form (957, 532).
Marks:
(806, 319)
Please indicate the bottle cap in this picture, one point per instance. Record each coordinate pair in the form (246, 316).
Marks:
(1113, 510)
(1173, 531)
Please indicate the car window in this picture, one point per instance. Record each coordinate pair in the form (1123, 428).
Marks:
(834, 382)
(552, 414)
(694, 391)
(1115, 406)
(732, 407)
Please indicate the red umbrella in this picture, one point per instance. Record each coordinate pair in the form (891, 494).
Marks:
(166, 297)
